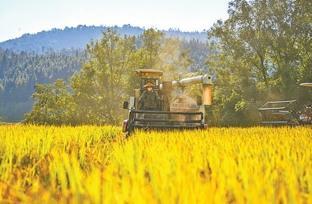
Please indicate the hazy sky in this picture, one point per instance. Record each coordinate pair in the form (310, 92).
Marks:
(30, 16)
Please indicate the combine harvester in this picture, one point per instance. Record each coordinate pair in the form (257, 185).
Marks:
(283, 112)
(175, 110)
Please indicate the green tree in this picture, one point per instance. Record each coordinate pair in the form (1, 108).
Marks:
(53, 105)
(146, 55)
(259, 53)
(151, 44)
(100, 87)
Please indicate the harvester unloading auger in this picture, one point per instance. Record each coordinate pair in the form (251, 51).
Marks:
(173, 111)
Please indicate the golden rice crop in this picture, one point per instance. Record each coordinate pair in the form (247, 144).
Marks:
(91, 164)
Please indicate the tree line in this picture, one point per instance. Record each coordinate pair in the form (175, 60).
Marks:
(261, 52)
(19, 72)
(95, 94)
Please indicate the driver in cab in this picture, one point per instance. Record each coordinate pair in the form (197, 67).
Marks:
(149, 100)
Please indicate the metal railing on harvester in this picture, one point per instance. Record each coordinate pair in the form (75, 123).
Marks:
(165, 120)
(278, 112)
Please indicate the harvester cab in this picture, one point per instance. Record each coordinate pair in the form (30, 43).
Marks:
(175, 110)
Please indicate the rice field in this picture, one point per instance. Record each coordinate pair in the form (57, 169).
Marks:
(92, 164)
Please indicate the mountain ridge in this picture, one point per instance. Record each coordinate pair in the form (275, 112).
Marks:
(78, 37)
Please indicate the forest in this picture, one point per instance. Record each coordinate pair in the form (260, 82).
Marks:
(261, 52)
(20, 71)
